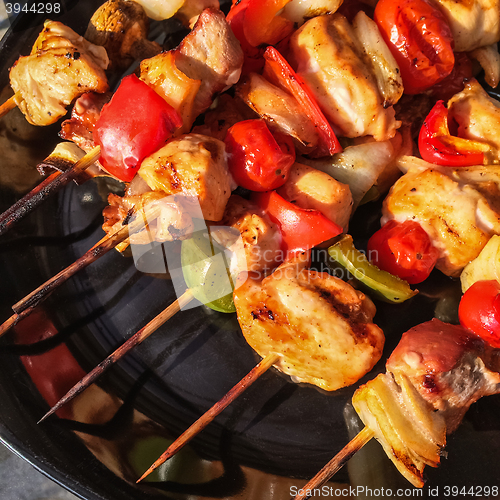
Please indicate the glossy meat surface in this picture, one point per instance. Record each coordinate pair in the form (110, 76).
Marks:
(321, 327)
(335, 67)
(61, 67)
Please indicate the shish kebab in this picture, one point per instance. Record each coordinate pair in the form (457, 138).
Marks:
(64, 65)
(433, 376)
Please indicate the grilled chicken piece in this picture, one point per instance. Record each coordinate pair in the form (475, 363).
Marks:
(84, 115)
(261, 238)
(478, 117)
(208, 60)
(62, 66)
(121, 27)
(311, 188)
(435, 373)
(173, 223)
(474, 23)
(458, 217)
(195, 166)
(334, 65)
(281, 111)
(319, 325)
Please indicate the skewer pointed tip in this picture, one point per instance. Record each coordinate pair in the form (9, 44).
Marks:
(49, 413)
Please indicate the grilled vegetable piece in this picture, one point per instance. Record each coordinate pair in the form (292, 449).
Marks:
(62, 66)
(385, 285)
(121, 27)
(334, 348)
(435, 373)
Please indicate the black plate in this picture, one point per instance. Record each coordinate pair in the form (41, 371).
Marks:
(266, 443)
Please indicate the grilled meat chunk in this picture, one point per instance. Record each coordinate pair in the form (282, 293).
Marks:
(435, 373)
(195, 167)
(334, 65)
(208, 60)
(473, 23)
(458, 216)
(61, 67)
(319, 325)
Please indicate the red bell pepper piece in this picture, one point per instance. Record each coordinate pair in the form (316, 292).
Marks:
(420, 40)
(278, 71)
(301, 229)
(437, 145)
(134, 124)
(254, 61)
(257, 160)
(403, 249)
(263, 24)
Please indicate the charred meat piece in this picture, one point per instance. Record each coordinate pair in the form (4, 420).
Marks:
(319, 325)
(435, 373)
(61, 67)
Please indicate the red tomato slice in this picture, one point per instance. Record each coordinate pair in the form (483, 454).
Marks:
(256, 160)
(420, 40)
(403, 249)
(278, 71)
(479, 311)
(134, 124)
(454, 82)
(301, 229)
(437, 145)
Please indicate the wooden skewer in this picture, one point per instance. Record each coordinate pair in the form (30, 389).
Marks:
(8, 105)
(47, 187)
(217, 408)
(25, 306)
(336, 463)
(133, 341)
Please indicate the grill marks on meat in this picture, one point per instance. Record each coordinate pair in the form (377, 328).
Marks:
(321, 327)
(61, 67)
(435, 373)
(335, 67)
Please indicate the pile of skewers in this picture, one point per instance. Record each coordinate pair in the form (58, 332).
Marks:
(310, 325)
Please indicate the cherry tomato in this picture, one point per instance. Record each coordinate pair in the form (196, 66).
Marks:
(301, 229)
(479, 310)
(257, 161)
(278, 71)
(420, 40)
(454, 82)
(403, 249)
(437, 145)
(134, 124)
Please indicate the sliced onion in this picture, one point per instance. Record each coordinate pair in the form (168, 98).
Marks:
(489, 59)
(299, 11)
(383, 64)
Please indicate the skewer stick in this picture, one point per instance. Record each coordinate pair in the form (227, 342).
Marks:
(47, 187)
(8, 105)
(25, 306)
(217, 408)
(133, 341)
(336, 463)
